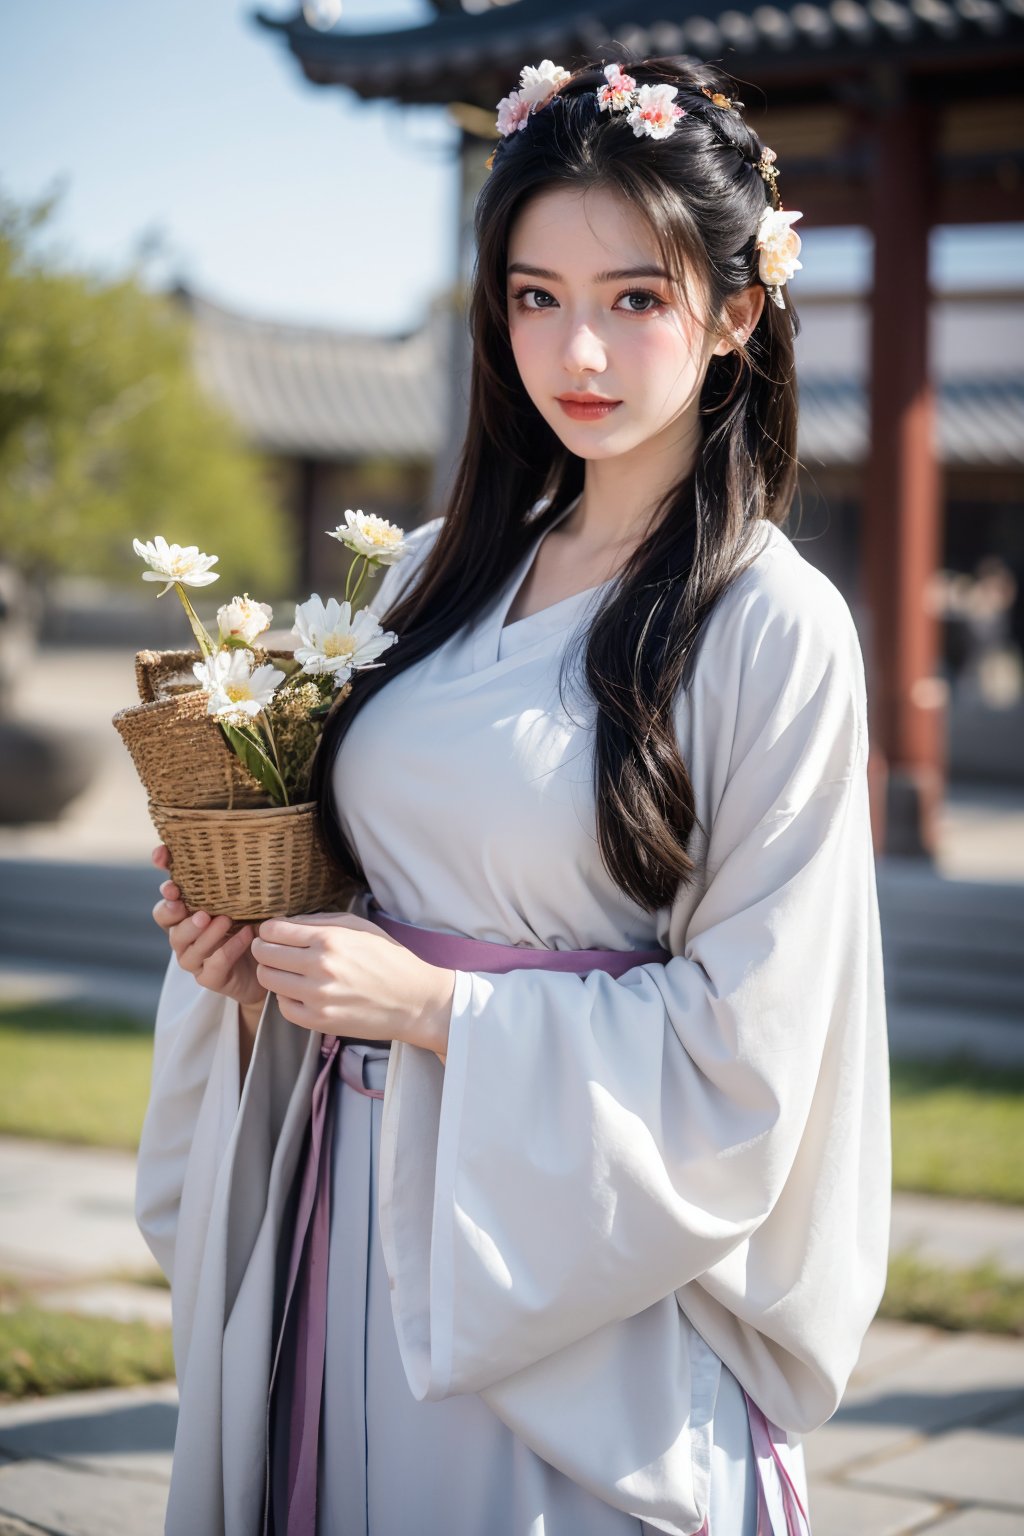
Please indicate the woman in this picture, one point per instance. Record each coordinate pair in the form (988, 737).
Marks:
(590, 1231)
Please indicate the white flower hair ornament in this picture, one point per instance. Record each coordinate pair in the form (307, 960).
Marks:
(652, 110)
(778, 244)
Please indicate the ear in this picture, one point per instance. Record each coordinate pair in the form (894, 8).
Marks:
(741, 315)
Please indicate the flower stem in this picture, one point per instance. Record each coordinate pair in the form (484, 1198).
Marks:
(206, 645)
(362, 562)
(275, 758)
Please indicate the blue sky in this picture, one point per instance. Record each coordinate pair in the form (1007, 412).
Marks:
(185, 120)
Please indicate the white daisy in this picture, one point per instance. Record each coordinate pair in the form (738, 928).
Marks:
(238, 691)
(243, 619)
(367, 534)
(175, 563)
(335, 642)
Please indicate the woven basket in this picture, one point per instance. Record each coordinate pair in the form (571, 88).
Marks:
(181, 756)
(178, 749)
(167, 674)
(251, 864)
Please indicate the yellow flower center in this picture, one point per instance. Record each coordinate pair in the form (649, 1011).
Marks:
(384, 537)
(339, 645)
(236, 692)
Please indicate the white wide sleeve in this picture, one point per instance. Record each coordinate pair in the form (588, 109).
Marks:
(194, 1096)
(598, 1144)
(195, 1088)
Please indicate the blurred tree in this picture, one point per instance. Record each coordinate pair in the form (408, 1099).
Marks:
(105, 434)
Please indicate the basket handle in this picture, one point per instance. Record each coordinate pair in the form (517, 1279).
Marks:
(151, 667)
(145, 666)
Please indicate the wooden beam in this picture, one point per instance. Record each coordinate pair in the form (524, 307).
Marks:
(902, 500)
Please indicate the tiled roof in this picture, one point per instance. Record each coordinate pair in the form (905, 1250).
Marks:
(422, 63)
(302, 391)
(980, 422)
(308, 391)
(976, 345)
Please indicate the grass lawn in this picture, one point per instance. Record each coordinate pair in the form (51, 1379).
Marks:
(44, 1352)
(74, 1077)
(982, 1298)
(957, 1128)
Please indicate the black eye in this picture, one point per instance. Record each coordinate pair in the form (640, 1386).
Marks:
(521, 294)
(651, 301)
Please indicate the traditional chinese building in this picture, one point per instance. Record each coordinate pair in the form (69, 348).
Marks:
(895, 115)
(342, 418)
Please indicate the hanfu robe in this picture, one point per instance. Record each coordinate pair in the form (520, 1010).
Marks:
(607, 1175)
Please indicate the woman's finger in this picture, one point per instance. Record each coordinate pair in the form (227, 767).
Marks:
(284, 957)
(223, 960)
(284, 983)
(296, 1013)
(160, 856)
(194, 940)
(169, 913)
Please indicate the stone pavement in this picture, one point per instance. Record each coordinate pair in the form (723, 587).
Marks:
(928, 1439)
(930, 1436)
(88, 1464)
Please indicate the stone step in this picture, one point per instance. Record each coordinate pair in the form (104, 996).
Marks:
(950, 945)
(99, 914)
(984, 986)
(954, 944)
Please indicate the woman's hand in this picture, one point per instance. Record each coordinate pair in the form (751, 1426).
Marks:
(214, 949)
(340, 974)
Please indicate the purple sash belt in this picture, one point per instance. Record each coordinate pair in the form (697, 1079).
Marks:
(780, 1512)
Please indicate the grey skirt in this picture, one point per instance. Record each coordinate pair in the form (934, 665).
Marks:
(390, 1465)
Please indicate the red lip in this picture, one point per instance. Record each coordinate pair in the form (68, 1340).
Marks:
(588, 399)
(587, 407)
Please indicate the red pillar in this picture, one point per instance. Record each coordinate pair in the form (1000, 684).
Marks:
(902, 493)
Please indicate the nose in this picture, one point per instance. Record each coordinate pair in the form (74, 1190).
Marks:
(583, 350)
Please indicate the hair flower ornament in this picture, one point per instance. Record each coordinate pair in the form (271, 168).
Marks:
(649, 109)
(617, 95)
(779, 245)
(652, 111)
(719, 99)
(537, 84)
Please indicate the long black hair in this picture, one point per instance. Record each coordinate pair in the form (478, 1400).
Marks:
(701, 194)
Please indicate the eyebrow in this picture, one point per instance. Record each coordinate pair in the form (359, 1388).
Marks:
(599, 277)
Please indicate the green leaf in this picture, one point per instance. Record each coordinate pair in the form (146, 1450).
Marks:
(248, 747)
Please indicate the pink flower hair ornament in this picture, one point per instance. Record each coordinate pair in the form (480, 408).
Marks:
(537, 85)
(652, 110)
